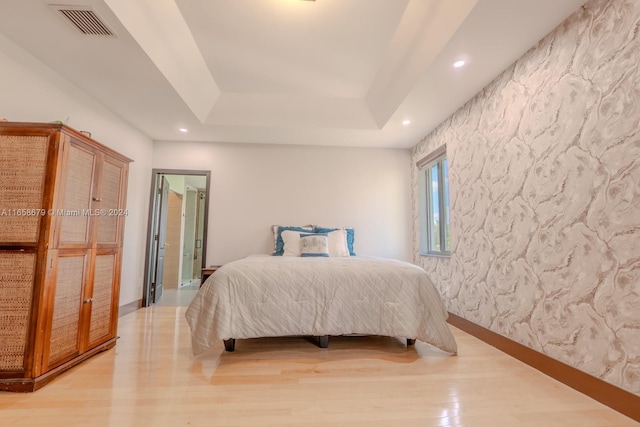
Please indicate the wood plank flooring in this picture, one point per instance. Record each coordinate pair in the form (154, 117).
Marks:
(151, 379)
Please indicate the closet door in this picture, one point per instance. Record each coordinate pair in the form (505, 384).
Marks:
(66, 304)
(69, 267)
(109, 202)
(109, 214)
(23, 170)
(28, 158)
(17, 275)
(104, 297)
(73, 212)
(23, 166)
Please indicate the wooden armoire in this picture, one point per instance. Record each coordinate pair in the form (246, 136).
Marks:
(62, 214)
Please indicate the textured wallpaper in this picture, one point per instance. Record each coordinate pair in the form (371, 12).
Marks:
(545, 197)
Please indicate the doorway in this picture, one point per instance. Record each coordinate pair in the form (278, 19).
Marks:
(176, 236)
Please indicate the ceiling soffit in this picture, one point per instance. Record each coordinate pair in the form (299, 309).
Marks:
(183, 39)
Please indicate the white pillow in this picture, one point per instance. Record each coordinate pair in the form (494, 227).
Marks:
(291, 241)
(277, 234)
(337, 241)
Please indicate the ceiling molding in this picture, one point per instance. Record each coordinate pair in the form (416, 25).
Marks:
(159, 28)
(424, 31)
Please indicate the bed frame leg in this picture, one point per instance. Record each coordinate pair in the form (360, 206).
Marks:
(230, 344)
(410, 342)
(323, 341)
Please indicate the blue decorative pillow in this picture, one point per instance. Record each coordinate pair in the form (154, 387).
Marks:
(350, 236)
(278, 249)
(315, 244)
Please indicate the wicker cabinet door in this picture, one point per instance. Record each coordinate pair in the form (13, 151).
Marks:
(17, 271)
(63, 342)
(111, 204)
(23, 162)
(101, 323)
(74, 212)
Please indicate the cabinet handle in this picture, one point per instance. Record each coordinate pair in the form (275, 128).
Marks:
(97, 199)
(88, 300)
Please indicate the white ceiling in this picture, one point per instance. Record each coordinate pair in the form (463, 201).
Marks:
(324, 72)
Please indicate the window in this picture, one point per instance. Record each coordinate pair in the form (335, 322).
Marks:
(435, 226)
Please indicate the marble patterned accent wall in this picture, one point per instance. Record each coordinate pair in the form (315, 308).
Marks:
(545, 197)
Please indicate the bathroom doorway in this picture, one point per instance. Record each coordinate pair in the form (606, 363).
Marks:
(177, 234)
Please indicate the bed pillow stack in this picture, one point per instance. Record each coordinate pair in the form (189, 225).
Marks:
(289, 240)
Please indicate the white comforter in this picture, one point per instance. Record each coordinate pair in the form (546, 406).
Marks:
(268, 296)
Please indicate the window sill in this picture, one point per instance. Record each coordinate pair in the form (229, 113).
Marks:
(436, 254)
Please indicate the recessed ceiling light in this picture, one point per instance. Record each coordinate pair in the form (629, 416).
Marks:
(406, 122)
(183, 130)
(458, 64)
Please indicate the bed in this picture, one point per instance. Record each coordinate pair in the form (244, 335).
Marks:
(319, 296)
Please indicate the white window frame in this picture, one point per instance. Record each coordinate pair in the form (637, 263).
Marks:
(437, 157)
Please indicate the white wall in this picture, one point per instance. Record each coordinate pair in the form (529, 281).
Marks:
(254, 186)
(34, 93)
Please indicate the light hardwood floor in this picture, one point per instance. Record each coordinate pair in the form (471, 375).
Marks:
(181, 296)
(151, 379)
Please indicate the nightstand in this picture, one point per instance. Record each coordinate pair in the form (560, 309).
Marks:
(208, 271)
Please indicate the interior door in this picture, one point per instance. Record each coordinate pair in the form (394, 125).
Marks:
(161, 239)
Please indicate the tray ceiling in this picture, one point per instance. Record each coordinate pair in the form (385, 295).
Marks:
(324, 72)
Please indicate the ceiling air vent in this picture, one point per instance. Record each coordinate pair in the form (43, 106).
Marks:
(84, 20)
